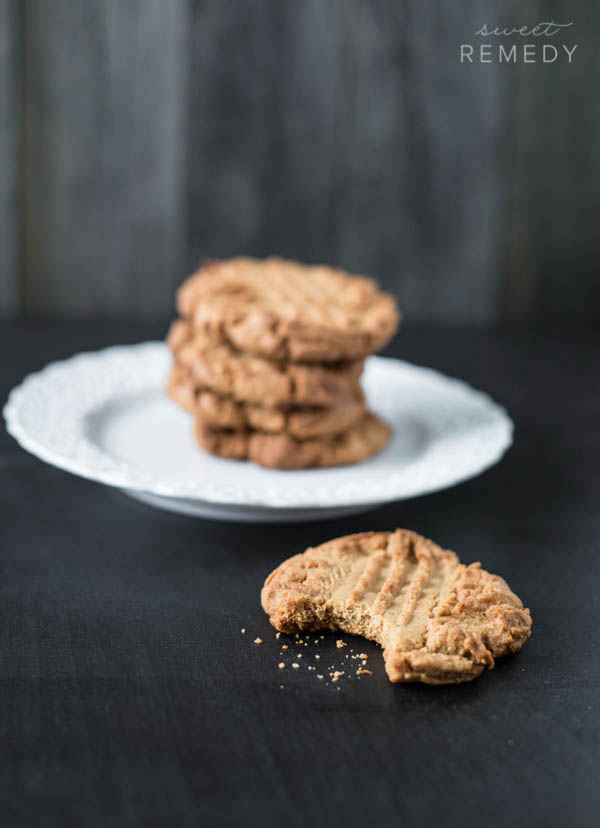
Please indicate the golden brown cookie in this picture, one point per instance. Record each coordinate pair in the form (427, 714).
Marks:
(182, 390)
(288, 311)
(220, 411)
(438, 621)
(247, 378)
(282, 451)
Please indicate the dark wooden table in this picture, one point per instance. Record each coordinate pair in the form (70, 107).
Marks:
(129, 696)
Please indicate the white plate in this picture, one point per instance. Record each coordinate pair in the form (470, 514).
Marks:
(105, 416)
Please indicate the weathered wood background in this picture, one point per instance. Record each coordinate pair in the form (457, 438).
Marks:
(139, 136)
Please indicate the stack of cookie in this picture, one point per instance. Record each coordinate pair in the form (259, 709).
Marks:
(268, 357)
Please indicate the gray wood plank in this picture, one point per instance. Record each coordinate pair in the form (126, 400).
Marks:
(349, 132)
(553, 245)
(9, 156)
(263, 128)
(105, 148)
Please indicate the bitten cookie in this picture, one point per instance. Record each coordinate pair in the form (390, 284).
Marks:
(284, 310)
(438, 621)
(282, 451)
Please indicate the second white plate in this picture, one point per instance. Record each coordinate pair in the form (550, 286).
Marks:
(105, 416)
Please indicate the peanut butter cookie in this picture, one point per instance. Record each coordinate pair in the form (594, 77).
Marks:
(282, 451)
(438, 621)
(284, 310)
(247, 378)
(223, 412)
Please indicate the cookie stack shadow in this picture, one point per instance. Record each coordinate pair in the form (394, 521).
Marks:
(268, 355)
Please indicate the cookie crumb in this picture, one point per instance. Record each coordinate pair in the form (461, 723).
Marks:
(296, 666)
(339, 644)
(363, 655)
(298, 655)
(281, 665)
(362, 672)
(277, 635)
(317, 656)
(258, 640)
(319, 676)
(284, 646)
(243, 629)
